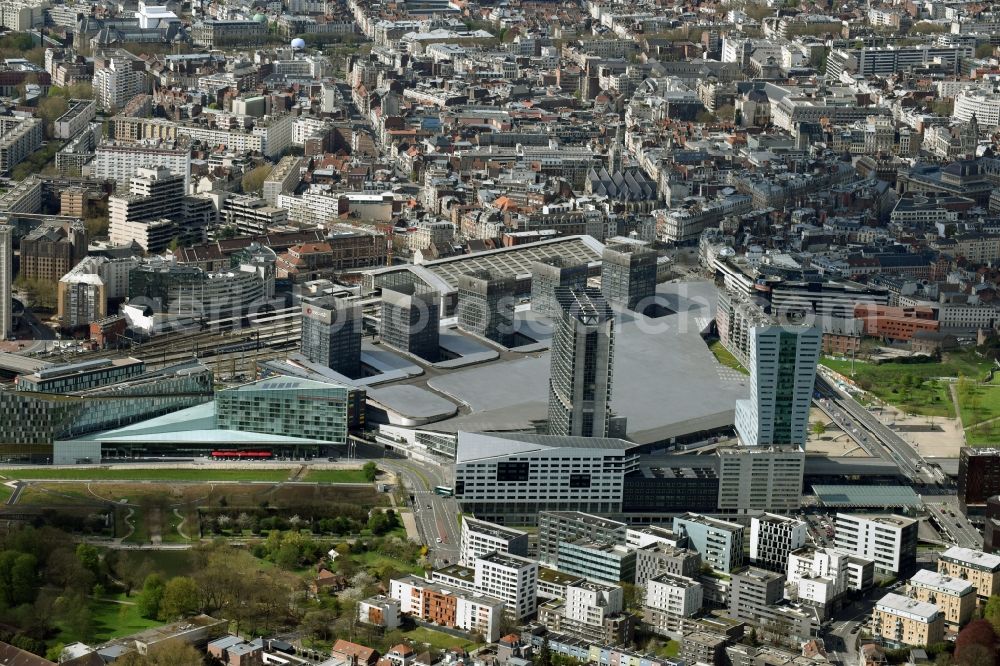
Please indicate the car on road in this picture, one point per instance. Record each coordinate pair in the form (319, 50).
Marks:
(439, 539)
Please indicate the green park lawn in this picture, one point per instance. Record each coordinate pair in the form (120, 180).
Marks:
(980, 412)
(156, 474)
(725, 357)
(915, 388)
(336, 476)
(110, 620)
(438, 639)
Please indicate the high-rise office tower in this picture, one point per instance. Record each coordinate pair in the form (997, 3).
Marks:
(582, 358)
(6, 276)
(782, 375)
(331, 334)
(410, 320)
(549, 274)
(628, 276)
(486, 306)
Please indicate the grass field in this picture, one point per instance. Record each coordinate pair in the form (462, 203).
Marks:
(438, 639)
(723, 356)
(111, 620)
(336, 476)
(915, 388)
(980, 412)
(373, 559)
(155, 474)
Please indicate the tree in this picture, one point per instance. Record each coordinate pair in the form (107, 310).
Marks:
(370, 471)
(80, 91)
(727, 113)
(151, 596)
(49, 110)
(991, 612)
(943, 107)
(976, 644)
(89, 557)
(96, 227)
(319, 624)
(706, 117)
(253, 180)
(181, 598)
(819, 428)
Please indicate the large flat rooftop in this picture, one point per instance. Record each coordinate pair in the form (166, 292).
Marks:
(667, 383)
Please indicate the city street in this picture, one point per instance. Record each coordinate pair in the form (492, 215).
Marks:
(880, 440)
(952, 522)
(437, 517)
(842, 636)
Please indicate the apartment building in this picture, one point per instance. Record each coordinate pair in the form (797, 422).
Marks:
(19, 137)
(480, 538)
(889, 541)
(557, 526)
(51, 249)
(512, 578)
(979, 568)
(719, 542)
(772, 538)
(213, 34)
(252, 215)
(820, 576)
(669, 599)
(592, 603)
(83, 292)
(660, 558)
(119, 162)
(76, 118)
(447, 606)
(283, 179)
(116, 81)
(900, 622)
(25, 197)
(954, 597)
(754, 590)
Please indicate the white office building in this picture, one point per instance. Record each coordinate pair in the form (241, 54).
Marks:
(782, 374)
(889, 541)
(120, 162)
(511, 578)
(511, 478)
(983, 104)
(773, 537)
(479, 538)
